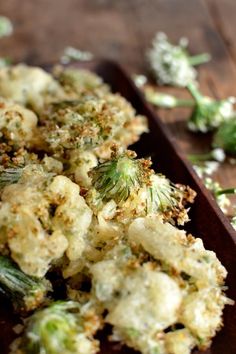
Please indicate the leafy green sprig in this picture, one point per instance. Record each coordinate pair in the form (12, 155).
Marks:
(10, 176)
(225, 136)
(26, 293)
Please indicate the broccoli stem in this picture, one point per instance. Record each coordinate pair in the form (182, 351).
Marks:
(199, 59)
(26, 293)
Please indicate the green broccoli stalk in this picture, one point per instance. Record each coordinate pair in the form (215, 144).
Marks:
(119, 177)
(59, 328)
(26, 293)
(225, 136)
(208, 113)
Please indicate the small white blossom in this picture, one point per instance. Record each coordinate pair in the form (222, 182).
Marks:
(6, 27)
(218, 154)
(233, 222)
(71, 54)
(140, 80)
(208, 113)
(199, 170)
(206, 168)
(221, 198)
(172, 64)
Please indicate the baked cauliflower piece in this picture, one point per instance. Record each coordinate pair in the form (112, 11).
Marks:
(42, 216)
(90, 123)
(185, 254)
(79, 82)
(162, 289)
(18, 126)
(29, 86)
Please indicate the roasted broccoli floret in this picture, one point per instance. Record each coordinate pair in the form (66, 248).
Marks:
(208, 113)
(62, 328)
(119, 177)
(163, 195)
(171, 64)
(225, 136)
(26, 293)
(132, 184)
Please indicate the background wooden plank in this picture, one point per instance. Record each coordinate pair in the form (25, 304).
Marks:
(122, 30)
(223, 17)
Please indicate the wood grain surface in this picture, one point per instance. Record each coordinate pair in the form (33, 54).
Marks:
(122, 30)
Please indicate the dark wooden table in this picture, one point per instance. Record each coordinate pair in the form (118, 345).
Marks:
(122, 30)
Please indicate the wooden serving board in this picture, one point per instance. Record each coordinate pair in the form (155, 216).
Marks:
(207, 220)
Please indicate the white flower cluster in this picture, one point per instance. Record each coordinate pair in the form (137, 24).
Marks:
(170, 63)
(208, 113)
(206, 168)
(221, 199)
(74, 54)
(218, 154)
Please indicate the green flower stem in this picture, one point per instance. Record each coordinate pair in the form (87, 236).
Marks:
(196, 158)
(226, 191)
(165, 100)
(199, 59)
(194, 92)
(184, 103)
